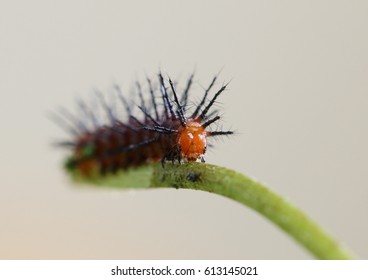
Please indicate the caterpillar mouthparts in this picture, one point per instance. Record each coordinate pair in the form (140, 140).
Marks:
(167, 132)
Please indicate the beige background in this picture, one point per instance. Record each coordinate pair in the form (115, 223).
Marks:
(298, 100)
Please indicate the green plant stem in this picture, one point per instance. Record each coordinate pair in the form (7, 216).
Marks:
(222, 181)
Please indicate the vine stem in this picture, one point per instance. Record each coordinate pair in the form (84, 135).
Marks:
(228, 183)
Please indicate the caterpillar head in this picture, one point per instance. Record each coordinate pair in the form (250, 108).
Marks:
(192, 140)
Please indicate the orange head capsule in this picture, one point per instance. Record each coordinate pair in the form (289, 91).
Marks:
(192, 140)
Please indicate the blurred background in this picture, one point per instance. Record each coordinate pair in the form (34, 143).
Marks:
(298, 99)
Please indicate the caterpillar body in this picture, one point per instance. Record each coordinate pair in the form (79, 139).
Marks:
(167, 131)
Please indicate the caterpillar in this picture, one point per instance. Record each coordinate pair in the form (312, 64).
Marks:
(166, 132)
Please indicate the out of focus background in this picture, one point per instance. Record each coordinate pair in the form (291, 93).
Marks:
(298, 99)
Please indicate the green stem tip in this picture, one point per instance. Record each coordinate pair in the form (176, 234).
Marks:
(222, 181)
